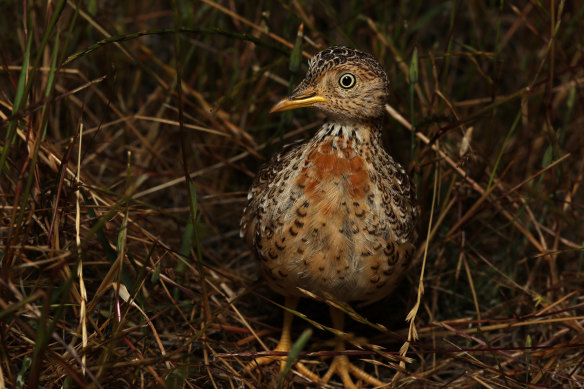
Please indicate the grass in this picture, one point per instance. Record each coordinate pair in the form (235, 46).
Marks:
(130, 133)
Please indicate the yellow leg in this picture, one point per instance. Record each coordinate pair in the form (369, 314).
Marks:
(283, 345)
(341, 364)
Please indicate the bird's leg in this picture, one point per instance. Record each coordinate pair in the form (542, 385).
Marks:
(284, 344)
(341, 364)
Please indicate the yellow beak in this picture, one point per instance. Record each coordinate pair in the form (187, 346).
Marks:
(303, 100)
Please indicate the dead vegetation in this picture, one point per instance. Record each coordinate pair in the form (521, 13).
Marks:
(130, 134)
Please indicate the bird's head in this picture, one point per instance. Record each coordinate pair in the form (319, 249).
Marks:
(342, 82)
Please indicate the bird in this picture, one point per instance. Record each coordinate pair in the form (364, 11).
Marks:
(334, 214)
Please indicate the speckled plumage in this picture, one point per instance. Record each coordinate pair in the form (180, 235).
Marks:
(335, 214)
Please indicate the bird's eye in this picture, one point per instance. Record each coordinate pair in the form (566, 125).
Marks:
(347, 81)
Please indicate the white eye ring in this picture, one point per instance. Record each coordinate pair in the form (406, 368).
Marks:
(347, 81)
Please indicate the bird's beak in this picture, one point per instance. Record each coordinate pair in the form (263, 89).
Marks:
(298, 100)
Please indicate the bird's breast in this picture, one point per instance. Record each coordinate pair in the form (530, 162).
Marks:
(330, 233)
(336, 168)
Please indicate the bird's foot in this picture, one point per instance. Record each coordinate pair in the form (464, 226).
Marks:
(342, 367)
(282, 359)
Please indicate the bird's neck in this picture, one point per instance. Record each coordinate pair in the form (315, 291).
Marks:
(357, 132)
